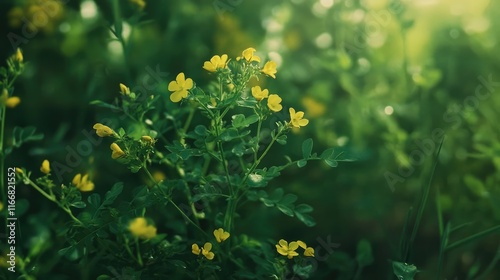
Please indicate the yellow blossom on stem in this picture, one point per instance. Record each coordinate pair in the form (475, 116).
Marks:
(195, 249)
(124, 89)
(45, 168)
(139, 227)
(270, 69)
(103, 130)
(258, 93)
(274, 103)
(221, 235)
(148, 139)
(205, 251)
(286, 249)
(308, 251)
(19, 170)
(12, 102)
(180, 87)
(19, 55)
(216, 62)
(83, 184)
(248, 55)
(116, 151)
(297, 118)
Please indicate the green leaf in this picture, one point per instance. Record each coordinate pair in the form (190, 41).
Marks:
(23, 135)
(328, 154)
(307, 219)
(307, 146)
(303, 208)
(404, 271)
(78, 204)
(229, 134)
(304, 271)
(112, 194)
(94, 200)
(286, 209)
(331, 163)
(105, 105)
(201, 130)
(289, 199)
(364, 254)
(301, 163)
(281, 140)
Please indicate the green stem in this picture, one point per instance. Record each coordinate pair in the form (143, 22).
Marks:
(139, 257)
(258, 139)
(53, 199)
(171, 201)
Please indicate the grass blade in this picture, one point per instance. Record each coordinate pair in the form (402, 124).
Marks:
(473, 237)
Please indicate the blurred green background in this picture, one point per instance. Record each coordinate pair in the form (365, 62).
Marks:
(376, 78)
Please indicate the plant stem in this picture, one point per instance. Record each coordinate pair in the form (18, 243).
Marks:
(53, 199)
(170, 200)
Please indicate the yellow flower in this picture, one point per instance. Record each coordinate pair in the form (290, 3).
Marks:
(248, 55)
(139, 227)
(270, 69)
(180, 87)
(215, 63)
(117, 151)
(195, 249)
(258, 93)
(313, 107)
(274, 103)
(308, 251)
(140, 3)
(19, 170)
(19, 55)
(221, 235)
(12, 102)
(205, 251)
(1, 206)
(103, 130)
(147, 139)
(286, 249)
(124, 89)
(83, 184)
(296, 119)
(45, 168)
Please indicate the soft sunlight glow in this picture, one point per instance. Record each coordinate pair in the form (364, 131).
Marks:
(324, 40)
(88, 9)
(326, 3)
(388, 110)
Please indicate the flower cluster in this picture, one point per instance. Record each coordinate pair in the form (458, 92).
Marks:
(140, 228)
(289, 249)
(82, 183)
(181, 87)
(220, 236)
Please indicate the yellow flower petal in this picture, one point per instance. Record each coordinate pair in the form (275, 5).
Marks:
(12, 102)
(45, 168)
(274, 103)
(103, 130)
(19, 55)
(195, 249)
(270, 69)
(140, 228)
(309, 252)
(258, 93)
(124, 89)
(116, 151)
(221, 235)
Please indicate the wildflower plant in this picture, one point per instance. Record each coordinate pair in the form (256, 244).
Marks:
(211, 144)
